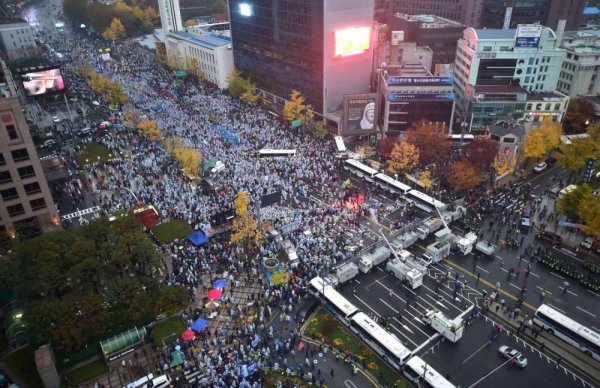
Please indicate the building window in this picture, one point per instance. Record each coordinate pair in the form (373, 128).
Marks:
(12, 132)
(547, 106)
(20, 154)
(32, 188)
(5, 177)
(9, 194)
(529, 106)
(37, 204)
(15, 210)
(2, 160)
(487, 48)
(538, 106)
(26, 172)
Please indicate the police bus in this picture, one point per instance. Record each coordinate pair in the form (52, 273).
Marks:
(555, 322)
(387, 345)
(360, 169)
(337, 304)
(425, 202)
(271, 153)
(423, 375)
(391, 184)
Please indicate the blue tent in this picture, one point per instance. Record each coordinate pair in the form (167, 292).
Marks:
(198, 238)
(199, 325)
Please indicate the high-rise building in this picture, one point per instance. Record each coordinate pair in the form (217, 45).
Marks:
(436, 32)
(27, 205)
(580, 71)
(495, 69)
(170, 15)
(467, 12)
(511, 13)
(323, 48)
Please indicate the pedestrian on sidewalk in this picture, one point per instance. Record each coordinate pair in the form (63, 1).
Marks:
(332, 373)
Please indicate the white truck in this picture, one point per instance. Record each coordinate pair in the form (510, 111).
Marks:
(452, 329)
(465, 244)
(438, 250)
(288, 253)
(404, 272)
(373, 258)
(485, 247)
(346, 272)
(429, 226)
(404, 240)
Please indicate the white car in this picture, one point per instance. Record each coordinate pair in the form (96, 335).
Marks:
(513, 354)
(540, 167)
(55, 119)
(588, 242)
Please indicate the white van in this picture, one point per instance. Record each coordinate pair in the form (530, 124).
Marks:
(160, 382)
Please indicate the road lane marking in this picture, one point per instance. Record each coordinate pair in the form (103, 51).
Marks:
(585, 311)
(535, 187)
(483, 269)
(572, 293)
(547, 292)
(349, 384)
(517, 287)
(558, 276)
(385, 303)
(556, 308)
(565, 253)
(592, 292)
(487, 343)
(376, 281)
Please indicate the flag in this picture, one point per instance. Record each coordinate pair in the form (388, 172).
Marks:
(301, 345)
(346, 183)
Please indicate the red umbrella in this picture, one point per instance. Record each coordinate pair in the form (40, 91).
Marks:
(214, 294)
(187, 335)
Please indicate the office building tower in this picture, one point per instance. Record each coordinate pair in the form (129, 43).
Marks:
(170, 15)
(467, 12)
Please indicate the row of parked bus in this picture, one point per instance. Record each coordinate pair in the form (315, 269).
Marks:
(393, 186)
(387, 345)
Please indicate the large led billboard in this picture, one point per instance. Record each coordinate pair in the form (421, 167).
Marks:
(40, 82)
(352, 41)
(359, 114)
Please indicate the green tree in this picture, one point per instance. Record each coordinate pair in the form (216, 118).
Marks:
(171, 299)
(574, 156)
(236, 83)
(589, 211)
(115, 94)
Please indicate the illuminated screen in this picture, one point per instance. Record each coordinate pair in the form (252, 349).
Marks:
(42, 82)
(246, 9)
(352, 41)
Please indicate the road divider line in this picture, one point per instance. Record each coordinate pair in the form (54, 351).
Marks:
(546, 291)
(558, 276)
(585, 311)
(483, 269)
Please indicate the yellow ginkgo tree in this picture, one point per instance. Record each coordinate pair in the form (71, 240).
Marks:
(246, 231)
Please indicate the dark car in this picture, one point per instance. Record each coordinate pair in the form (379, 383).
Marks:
(553, 238)
(306, 309)
(551, 161)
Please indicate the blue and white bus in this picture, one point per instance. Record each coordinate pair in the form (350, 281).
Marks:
(391, 184)
(425, 202)
(360, 169)
(558, 324)
(423, 375)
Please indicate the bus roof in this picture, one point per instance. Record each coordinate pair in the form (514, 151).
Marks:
(361, 166)
(559, 317)
(392, 342)
(392, 182)
(339, 142)
(426, 198)
(432, 377)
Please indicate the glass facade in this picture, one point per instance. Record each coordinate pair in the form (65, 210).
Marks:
(524, 12)
(279, 44)
(487, 113)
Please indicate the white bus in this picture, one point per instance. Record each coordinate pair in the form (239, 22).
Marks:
(339, 144)
(425, 202)
(566, 190)
(387, 345)
(423, 375)
(269, 153)
(336, 302)
(555, 322)
(362, 170)
(465, 138)
(391, 185)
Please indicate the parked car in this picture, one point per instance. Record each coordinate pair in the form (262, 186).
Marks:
(553, 238)
(306, 309)
(513, 354)
(551, 161)
(55, 119)
(588, 242)
(540, 167)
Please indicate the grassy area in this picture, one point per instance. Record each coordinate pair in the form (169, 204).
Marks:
(169, 329)
(271, 378)
(66, 361)
(326, 328)
(22, 364)
(169, 231)
(92, 153)
(86, 373)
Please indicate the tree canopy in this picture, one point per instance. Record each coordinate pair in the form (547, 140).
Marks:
(578, 113)
(77, 284)
(404, 156)
(463, 176)
(431, 141)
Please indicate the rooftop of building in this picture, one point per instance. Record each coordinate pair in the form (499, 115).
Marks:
(206, 40)
(495, 33)
(545, 96)
(499, 89)
(502, 128)
(581, 34)
(428, 21)
(408, 70)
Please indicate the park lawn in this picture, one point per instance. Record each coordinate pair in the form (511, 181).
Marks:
(169, 231)
(169, 329)
(86, 373)
(93, 152)
(22, 364)
(326, 328)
